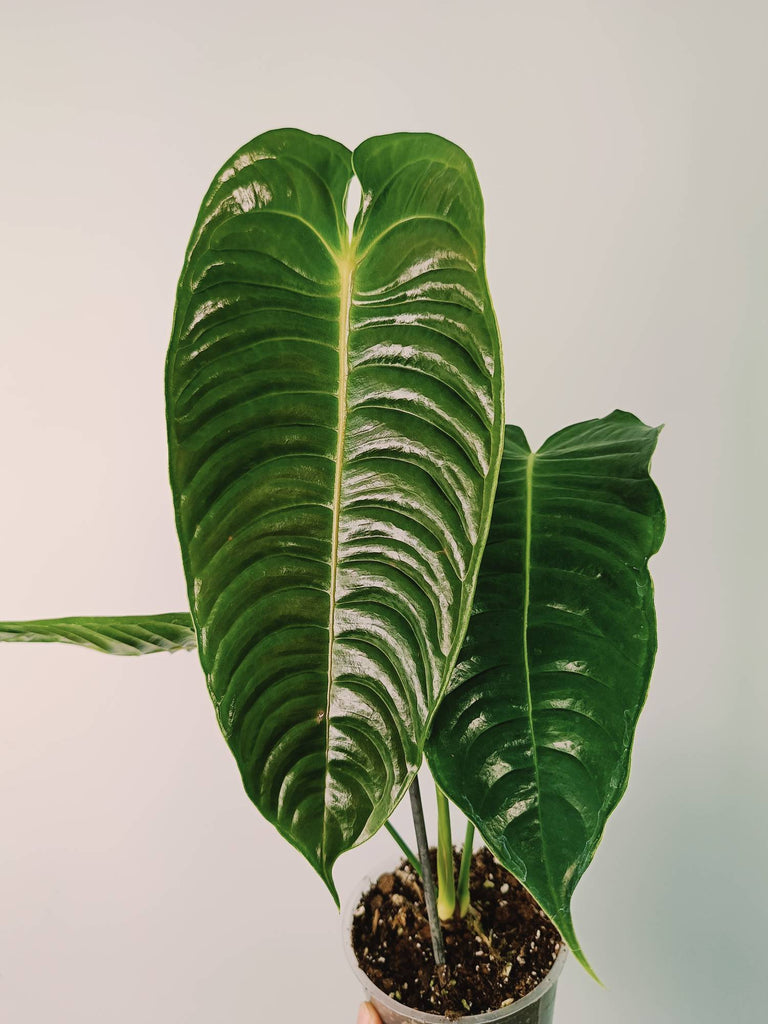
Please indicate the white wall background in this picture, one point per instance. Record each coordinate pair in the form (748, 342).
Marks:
(623, 155)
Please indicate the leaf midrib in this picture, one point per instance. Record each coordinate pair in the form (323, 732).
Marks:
(346, 265)
(526, 665)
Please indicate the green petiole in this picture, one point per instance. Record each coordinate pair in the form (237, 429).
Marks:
(415, 862)
(446, 890)
(462, 890)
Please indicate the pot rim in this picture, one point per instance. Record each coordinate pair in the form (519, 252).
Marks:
(351, 904)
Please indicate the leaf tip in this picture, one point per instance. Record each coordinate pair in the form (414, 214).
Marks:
(565, 924)
(325, 870)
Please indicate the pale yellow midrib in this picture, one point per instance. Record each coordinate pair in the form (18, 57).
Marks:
(346, 265)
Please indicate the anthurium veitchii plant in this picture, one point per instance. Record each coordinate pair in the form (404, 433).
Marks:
(378, 570)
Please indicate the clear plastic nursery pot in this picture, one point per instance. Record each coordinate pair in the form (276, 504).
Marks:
(536, 1008)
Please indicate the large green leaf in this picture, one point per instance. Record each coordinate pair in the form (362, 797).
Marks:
(533, 737)
(334, 425)
(122, 634)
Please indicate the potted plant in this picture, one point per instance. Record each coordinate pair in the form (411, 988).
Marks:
(379, 571)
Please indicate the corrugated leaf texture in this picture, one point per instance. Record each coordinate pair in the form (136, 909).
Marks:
(122, 634)
(334, 426)
(533, 737)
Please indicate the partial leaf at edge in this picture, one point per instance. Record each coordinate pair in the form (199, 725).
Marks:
(533, 737)
(121, 634)
(334, 425)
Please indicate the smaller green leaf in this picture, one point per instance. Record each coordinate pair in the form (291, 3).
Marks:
(533, 737)
(122, 634)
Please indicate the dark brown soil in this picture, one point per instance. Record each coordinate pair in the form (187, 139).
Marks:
(500, 951)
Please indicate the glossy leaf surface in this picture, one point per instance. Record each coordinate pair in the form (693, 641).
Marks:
(334, 433)
(533, 737)
(122, 634)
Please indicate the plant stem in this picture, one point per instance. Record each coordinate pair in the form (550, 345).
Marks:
(415, 862)
(428, 879)
(462, 890)
(446, 891)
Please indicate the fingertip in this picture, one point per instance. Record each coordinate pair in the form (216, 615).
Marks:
(367, 1015)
